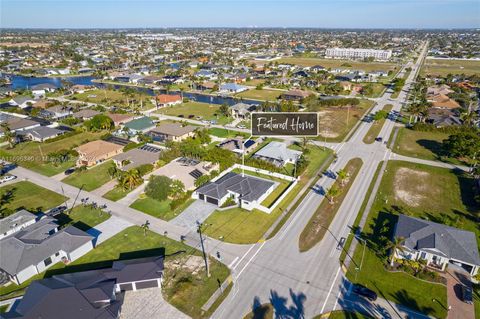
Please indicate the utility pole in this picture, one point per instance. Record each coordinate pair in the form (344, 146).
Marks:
(205, 257)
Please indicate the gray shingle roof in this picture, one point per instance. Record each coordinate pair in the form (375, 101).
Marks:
(19, 218)
(250, 188)
(33, 244)
(42, 132)
(452, 242)
(278, 151)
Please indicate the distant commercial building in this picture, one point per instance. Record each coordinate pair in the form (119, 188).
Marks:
(349, 53)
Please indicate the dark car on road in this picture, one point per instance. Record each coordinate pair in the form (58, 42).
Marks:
(379, 139)
(364, 292)
(69, 171)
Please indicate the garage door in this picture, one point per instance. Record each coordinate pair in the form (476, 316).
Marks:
(146, 284)
(124, 287)
(201, 196)
(212, 200)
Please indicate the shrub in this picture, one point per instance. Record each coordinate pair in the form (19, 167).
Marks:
(158, 187)
(145, 169)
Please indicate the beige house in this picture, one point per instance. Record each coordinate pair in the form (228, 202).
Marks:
(96, 152)
(171, 132)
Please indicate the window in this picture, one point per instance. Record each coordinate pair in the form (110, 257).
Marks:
(57, 254)
(47, 261)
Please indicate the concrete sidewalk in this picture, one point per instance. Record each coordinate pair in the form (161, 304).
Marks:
(108, 229)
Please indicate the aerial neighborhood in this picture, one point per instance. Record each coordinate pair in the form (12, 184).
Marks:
(132, 184)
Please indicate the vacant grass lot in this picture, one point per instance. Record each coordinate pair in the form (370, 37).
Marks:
(114, 97)
(116, 193)
(224, 133)
(159, 209)
(26, 195)
(318, 224)
(332, 63)
(439, 67)
(425, 145)
(243, 227)
(376, 127)
(204, 110)
(265, 95)
(410, 188)
(82, 217)
(187, 289)
(92, 178)
(333, 120)
(33, 155)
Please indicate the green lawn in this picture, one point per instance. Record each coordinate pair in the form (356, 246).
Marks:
(377, 89)
(159, 209)
(224, 133)
(376, 127)
(82, 217)
(183, 288)
(265, 95)
(334, 63)
(33, 155)
(114, 97)
(204, 110)
(243, 227)
(29, 196)
(116, 193)
(92, 178)
(264, 311)
(419, 144)
(437, 67)
(318, 224)
(409, 188)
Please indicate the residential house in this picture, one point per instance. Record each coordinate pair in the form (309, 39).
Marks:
(278, 154)
(206, 74)
(163, 100)
(42, 104)
(40, 90)
(41, 133)
(16, 222)
(439, 245)
(246, 191)
(119, 119)
(442, 117)
(146, 154)
(22, 101)
(88, 294)
(39, 246)
(295, 95)
(171, 132)
(442, 101)
(232, 88)
(238, 146)
(96, 152)
(56, 112)
(16, 123)
(242, 110)
(140, 125)
(85, 114)
(186, 170)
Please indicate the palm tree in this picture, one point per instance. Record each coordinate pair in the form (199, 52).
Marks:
(342, 175)
(130, 179)
(395, 245)
(468, 117)
(145, 227)
(113, 171)
(332, 193)
(10, 135)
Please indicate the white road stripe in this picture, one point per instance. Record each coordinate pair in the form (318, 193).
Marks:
(233, 262)
(330, 290)
(250, 260)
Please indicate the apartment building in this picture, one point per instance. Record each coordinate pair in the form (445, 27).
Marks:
(350, 53)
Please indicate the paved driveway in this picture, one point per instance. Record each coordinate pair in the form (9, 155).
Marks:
(197, 211)
(456, 278)
(108, 229)
(148, 303)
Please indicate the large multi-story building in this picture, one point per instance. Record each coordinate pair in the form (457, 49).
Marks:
(349, 53)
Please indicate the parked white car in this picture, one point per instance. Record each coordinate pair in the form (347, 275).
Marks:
(7, 178)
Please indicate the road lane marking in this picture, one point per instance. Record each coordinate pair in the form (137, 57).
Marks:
(233, 262)
(330, 290)
(243, 256)
(250, 260)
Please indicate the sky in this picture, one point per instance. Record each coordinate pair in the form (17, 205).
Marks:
(414, 14)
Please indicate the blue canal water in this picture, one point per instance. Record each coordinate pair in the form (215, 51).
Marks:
(23, 82)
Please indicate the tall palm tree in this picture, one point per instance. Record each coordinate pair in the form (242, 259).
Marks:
(130, 179)
(395, 245)
(468, 117)
(10, 135)
(332, 193)
(342, 175)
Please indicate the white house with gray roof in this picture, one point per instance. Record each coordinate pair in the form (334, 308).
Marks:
(16, 222)
(439, 245)
(246, 191)
(39, 246)
(278, 154)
